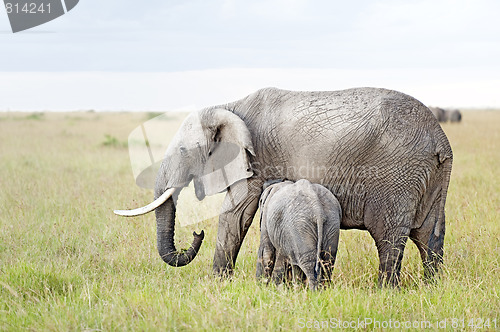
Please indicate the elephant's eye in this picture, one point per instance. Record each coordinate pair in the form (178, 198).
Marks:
(183, 150)
(209, 152)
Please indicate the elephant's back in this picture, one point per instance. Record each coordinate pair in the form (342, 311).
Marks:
(294, 204)
(361, 117)
(309, 116)
(354, 126)
(353, 122)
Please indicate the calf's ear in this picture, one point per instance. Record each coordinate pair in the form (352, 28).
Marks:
(270, 188)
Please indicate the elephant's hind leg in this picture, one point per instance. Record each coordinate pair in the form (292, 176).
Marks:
(328, 255)
(312, 277)
(307, 262)
(297, 275)
(429, 239)
(390, 229)
(280, 268)
(390, 251)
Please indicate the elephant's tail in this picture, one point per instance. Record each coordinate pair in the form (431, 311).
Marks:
(320, 220)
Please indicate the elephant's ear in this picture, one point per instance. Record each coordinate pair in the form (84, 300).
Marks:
(263, 197)
(229, 148)
(270, 188)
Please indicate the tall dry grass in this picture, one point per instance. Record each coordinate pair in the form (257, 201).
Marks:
(68, 263)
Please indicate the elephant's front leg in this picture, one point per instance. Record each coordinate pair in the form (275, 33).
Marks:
(265, 261)
(266, 254)
(238, 210)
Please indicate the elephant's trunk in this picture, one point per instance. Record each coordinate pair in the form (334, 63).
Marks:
(165, 228)
(165, 225)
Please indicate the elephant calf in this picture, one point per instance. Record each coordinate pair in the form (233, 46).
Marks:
(299, 226)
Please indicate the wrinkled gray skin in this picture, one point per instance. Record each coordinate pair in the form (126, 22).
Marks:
(380, 152)
(299, 226)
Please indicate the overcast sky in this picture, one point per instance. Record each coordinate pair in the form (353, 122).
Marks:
(181, 54)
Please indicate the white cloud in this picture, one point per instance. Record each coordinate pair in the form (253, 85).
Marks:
(432, 20)
(280, 10)
(441, 49)
(196, 89)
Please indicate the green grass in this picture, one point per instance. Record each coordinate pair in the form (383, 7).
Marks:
(68, 263)
(35, 116)
(112, 141)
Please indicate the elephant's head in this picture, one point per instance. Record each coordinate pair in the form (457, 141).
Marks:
(211, 148)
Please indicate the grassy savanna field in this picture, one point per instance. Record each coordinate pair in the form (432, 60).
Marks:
(68, 263)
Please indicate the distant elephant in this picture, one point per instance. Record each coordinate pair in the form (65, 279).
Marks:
(440, 113)
(299, 225)
(380, 152)
(454, 115)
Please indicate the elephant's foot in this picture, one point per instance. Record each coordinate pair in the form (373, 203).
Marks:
(389, 279)
(223, 267)
(433, 260)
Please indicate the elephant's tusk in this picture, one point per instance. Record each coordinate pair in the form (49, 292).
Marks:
(148, 208)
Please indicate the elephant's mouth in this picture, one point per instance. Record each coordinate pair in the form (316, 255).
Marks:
(199, 187)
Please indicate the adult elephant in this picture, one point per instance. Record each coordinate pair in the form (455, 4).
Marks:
(454, 115)
(381, 153)
(440, 113)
